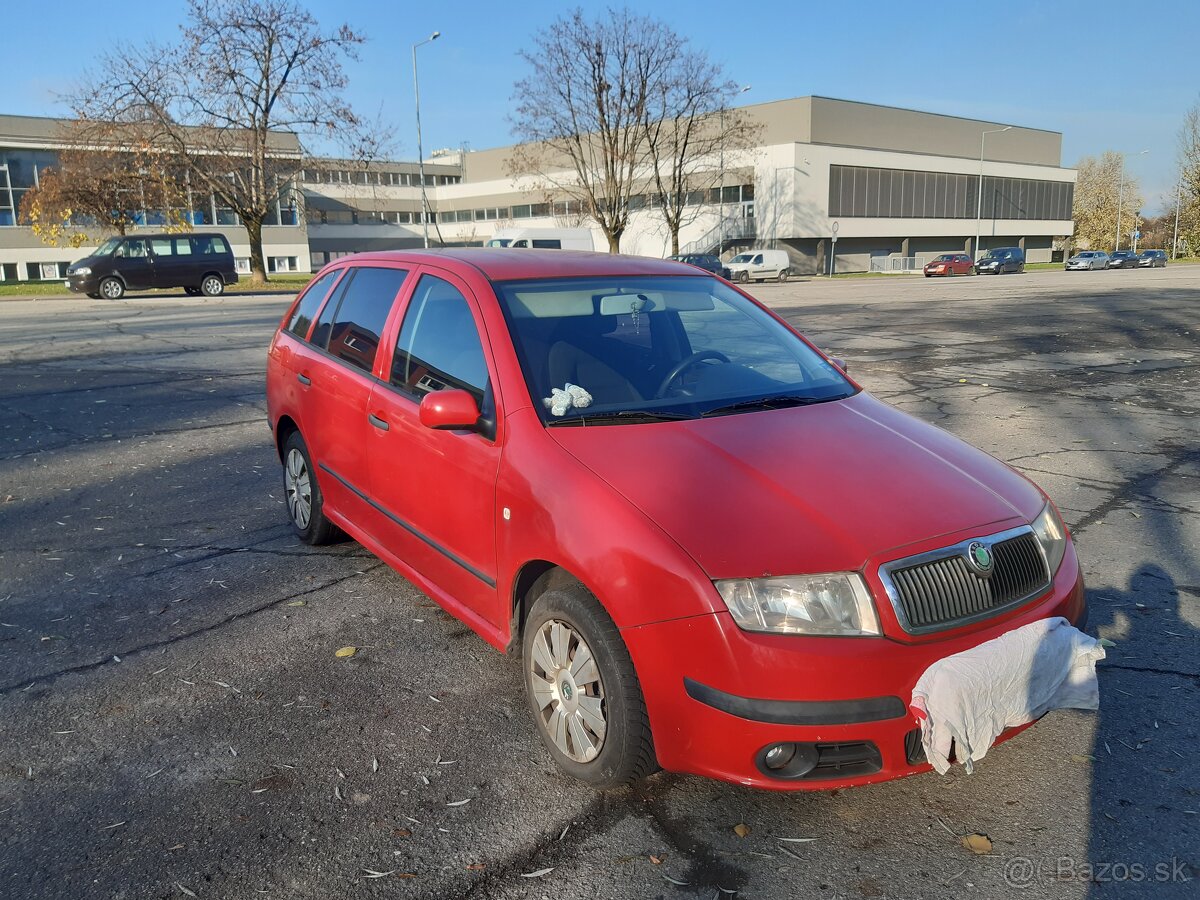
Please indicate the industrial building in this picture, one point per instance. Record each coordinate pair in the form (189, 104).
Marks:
(895, 186)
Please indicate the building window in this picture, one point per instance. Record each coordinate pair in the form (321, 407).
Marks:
(8, 272)
(463, 215)
(242, 265)
(896, 193)
(281, 264)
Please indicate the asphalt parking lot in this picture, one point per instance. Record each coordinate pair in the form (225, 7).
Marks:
(174, 722)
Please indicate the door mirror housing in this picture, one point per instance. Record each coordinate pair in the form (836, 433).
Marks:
(452, 409)
(840, 363)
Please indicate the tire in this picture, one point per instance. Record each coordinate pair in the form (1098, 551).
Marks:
(112, 289)
(212, 286)
(1021, 269)
(303, 497)
(783, 275)
(743, 278)
(624, 751)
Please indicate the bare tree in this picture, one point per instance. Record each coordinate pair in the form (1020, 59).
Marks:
(689, 128)
(104, 183)
(581, 112)
(225, 97)
(1098, 188)
(1189, 180)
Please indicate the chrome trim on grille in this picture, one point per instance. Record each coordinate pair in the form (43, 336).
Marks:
(959, 551)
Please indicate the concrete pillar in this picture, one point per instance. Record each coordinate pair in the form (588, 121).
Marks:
(904, 248)
(1021, 244)
(967, 246)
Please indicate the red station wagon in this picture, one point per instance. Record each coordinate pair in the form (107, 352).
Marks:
(714, 551)
(949, 264)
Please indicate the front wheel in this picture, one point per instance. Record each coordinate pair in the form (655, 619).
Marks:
(305, 503)
(112, 289)
(584, 692)
(743, 277)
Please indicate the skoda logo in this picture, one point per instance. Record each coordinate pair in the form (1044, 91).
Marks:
(980, 557)
(566, 690)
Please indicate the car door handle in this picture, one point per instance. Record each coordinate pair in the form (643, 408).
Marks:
(379, 423)
(303, 379)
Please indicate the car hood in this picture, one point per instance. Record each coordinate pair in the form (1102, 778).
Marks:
(86, 261)
(807, 489)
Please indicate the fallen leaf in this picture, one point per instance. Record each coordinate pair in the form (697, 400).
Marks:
(297, 603)
(374, 764)
(798, 840)
(459, 802)
(475, 867)
(977, 843)
(185, 890)
(657, 860)
(741, 829)
(1105, 642)
(371, 873)
(346, 652)
(538, 874)
(401, 832)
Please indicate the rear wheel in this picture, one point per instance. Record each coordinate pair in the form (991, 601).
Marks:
(305, 504)
(212, 286)
(583, 690)
(112, 289)
(783, 274)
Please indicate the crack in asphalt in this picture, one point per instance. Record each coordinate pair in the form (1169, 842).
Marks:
(51, 677)
(1150, 670)
(1177, 458)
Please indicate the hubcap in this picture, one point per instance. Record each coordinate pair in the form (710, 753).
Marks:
(298, 487)
(112, 289)
(212, 286)
(569, 693)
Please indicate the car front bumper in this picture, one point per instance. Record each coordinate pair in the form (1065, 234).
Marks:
(83, 284)
(719, 696)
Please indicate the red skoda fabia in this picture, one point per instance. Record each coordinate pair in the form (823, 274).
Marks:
(713, 550)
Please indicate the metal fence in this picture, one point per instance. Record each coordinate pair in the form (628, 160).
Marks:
(897, 264)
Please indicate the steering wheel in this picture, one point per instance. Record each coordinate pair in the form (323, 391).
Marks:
(684, 364)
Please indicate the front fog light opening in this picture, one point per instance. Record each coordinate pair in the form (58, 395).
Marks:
(787, 760)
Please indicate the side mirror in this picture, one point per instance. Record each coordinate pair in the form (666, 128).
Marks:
(840, 363)
(449, 410)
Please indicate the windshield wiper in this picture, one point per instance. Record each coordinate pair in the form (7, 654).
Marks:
(766, 403)
(622, 417)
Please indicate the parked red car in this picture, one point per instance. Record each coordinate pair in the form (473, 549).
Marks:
(714, 551)
(950, 264)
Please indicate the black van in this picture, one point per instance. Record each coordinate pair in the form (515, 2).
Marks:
(198, 263)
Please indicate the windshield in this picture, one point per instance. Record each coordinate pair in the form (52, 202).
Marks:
(107, 247)
(499, 242)
(654, 347)
(945, 257)
(743, 257)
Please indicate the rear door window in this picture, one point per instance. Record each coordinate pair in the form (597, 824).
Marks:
(310, 302)
(352, 331)
(210, 245)
(439, 345)
(161, 246)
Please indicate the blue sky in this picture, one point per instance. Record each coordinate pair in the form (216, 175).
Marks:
(1107, 75)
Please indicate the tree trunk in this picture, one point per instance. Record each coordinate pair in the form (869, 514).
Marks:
(258, 267)
(674, 240)
(614, 241)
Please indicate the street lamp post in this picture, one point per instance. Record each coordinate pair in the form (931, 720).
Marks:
(979, 201)
(721, 167)
(1121, 197)
(1178, 193)
(420, 152)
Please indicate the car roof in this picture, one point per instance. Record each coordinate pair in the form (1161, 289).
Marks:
(501, 264)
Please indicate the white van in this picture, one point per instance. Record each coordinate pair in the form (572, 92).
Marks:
(759, 265)
(544, 238)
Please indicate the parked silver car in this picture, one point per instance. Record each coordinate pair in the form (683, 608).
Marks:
(1088, 259)
(1152, 259)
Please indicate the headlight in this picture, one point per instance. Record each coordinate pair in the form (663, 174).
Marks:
(82, 270)
(1052, 535)
(834, 604)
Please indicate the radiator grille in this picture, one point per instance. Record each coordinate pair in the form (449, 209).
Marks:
(940, 592)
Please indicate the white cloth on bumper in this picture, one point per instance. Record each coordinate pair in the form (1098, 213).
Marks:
(971, 697)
